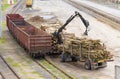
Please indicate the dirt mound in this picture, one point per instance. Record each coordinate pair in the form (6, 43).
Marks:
(36, 19)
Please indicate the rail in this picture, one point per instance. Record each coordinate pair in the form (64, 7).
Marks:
(17, 6)
(2, 75)
(59, 70)
(10, 67)
(55, 77)
(50, 62)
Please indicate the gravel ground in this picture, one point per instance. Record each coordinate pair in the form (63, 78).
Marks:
(109, 10)
(20, 61)
(108, 3)
(7, 73)
(98, 30)
(77, 69)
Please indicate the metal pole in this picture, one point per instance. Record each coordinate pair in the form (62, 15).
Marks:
(117, 3)
(0, 19)
(89, 52)
(80, 51)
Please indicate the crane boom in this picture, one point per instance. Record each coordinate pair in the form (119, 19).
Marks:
(57, 33)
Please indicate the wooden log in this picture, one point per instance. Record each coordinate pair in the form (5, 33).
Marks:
(96, 48)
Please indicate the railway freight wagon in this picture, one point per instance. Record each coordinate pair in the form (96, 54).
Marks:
(35, 41)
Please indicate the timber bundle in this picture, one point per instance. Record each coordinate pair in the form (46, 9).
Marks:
(87, 47)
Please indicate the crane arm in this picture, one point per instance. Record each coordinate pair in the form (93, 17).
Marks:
(85, 22)
(67, 22)
(57, 34)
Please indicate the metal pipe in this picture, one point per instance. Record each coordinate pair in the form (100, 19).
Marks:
(89, 52)
(80, 51)
(0, 19)
(64, 38)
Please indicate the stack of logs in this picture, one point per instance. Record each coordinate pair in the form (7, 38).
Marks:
(87, 47)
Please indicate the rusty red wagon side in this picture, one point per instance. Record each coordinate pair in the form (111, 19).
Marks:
(15, 18)
(35, 41)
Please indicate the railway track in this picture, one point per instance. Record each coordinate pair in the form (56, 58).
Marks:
(52, 69)
(2, 76)
(19, 5)
(98, 14)
(41, 65)
(10, 68)
(50, 62)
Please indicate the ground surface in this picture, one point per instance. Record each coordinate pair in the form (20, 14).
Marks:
(108, 3)
(98, 30)
(20, 61)
(112, 11)
(5, 70)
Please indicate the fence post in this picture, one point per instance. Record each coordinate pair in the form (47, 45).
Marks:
(0, 18)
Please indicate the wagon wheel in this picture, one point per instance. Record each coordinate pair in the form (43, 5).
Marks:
(30, 54)
(87, 65)
(34, 55)
(74, 59)
(64, 57)
(43, 56)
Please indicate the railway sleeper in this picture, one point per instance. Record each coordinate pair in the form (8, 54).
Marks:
(67, 57)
